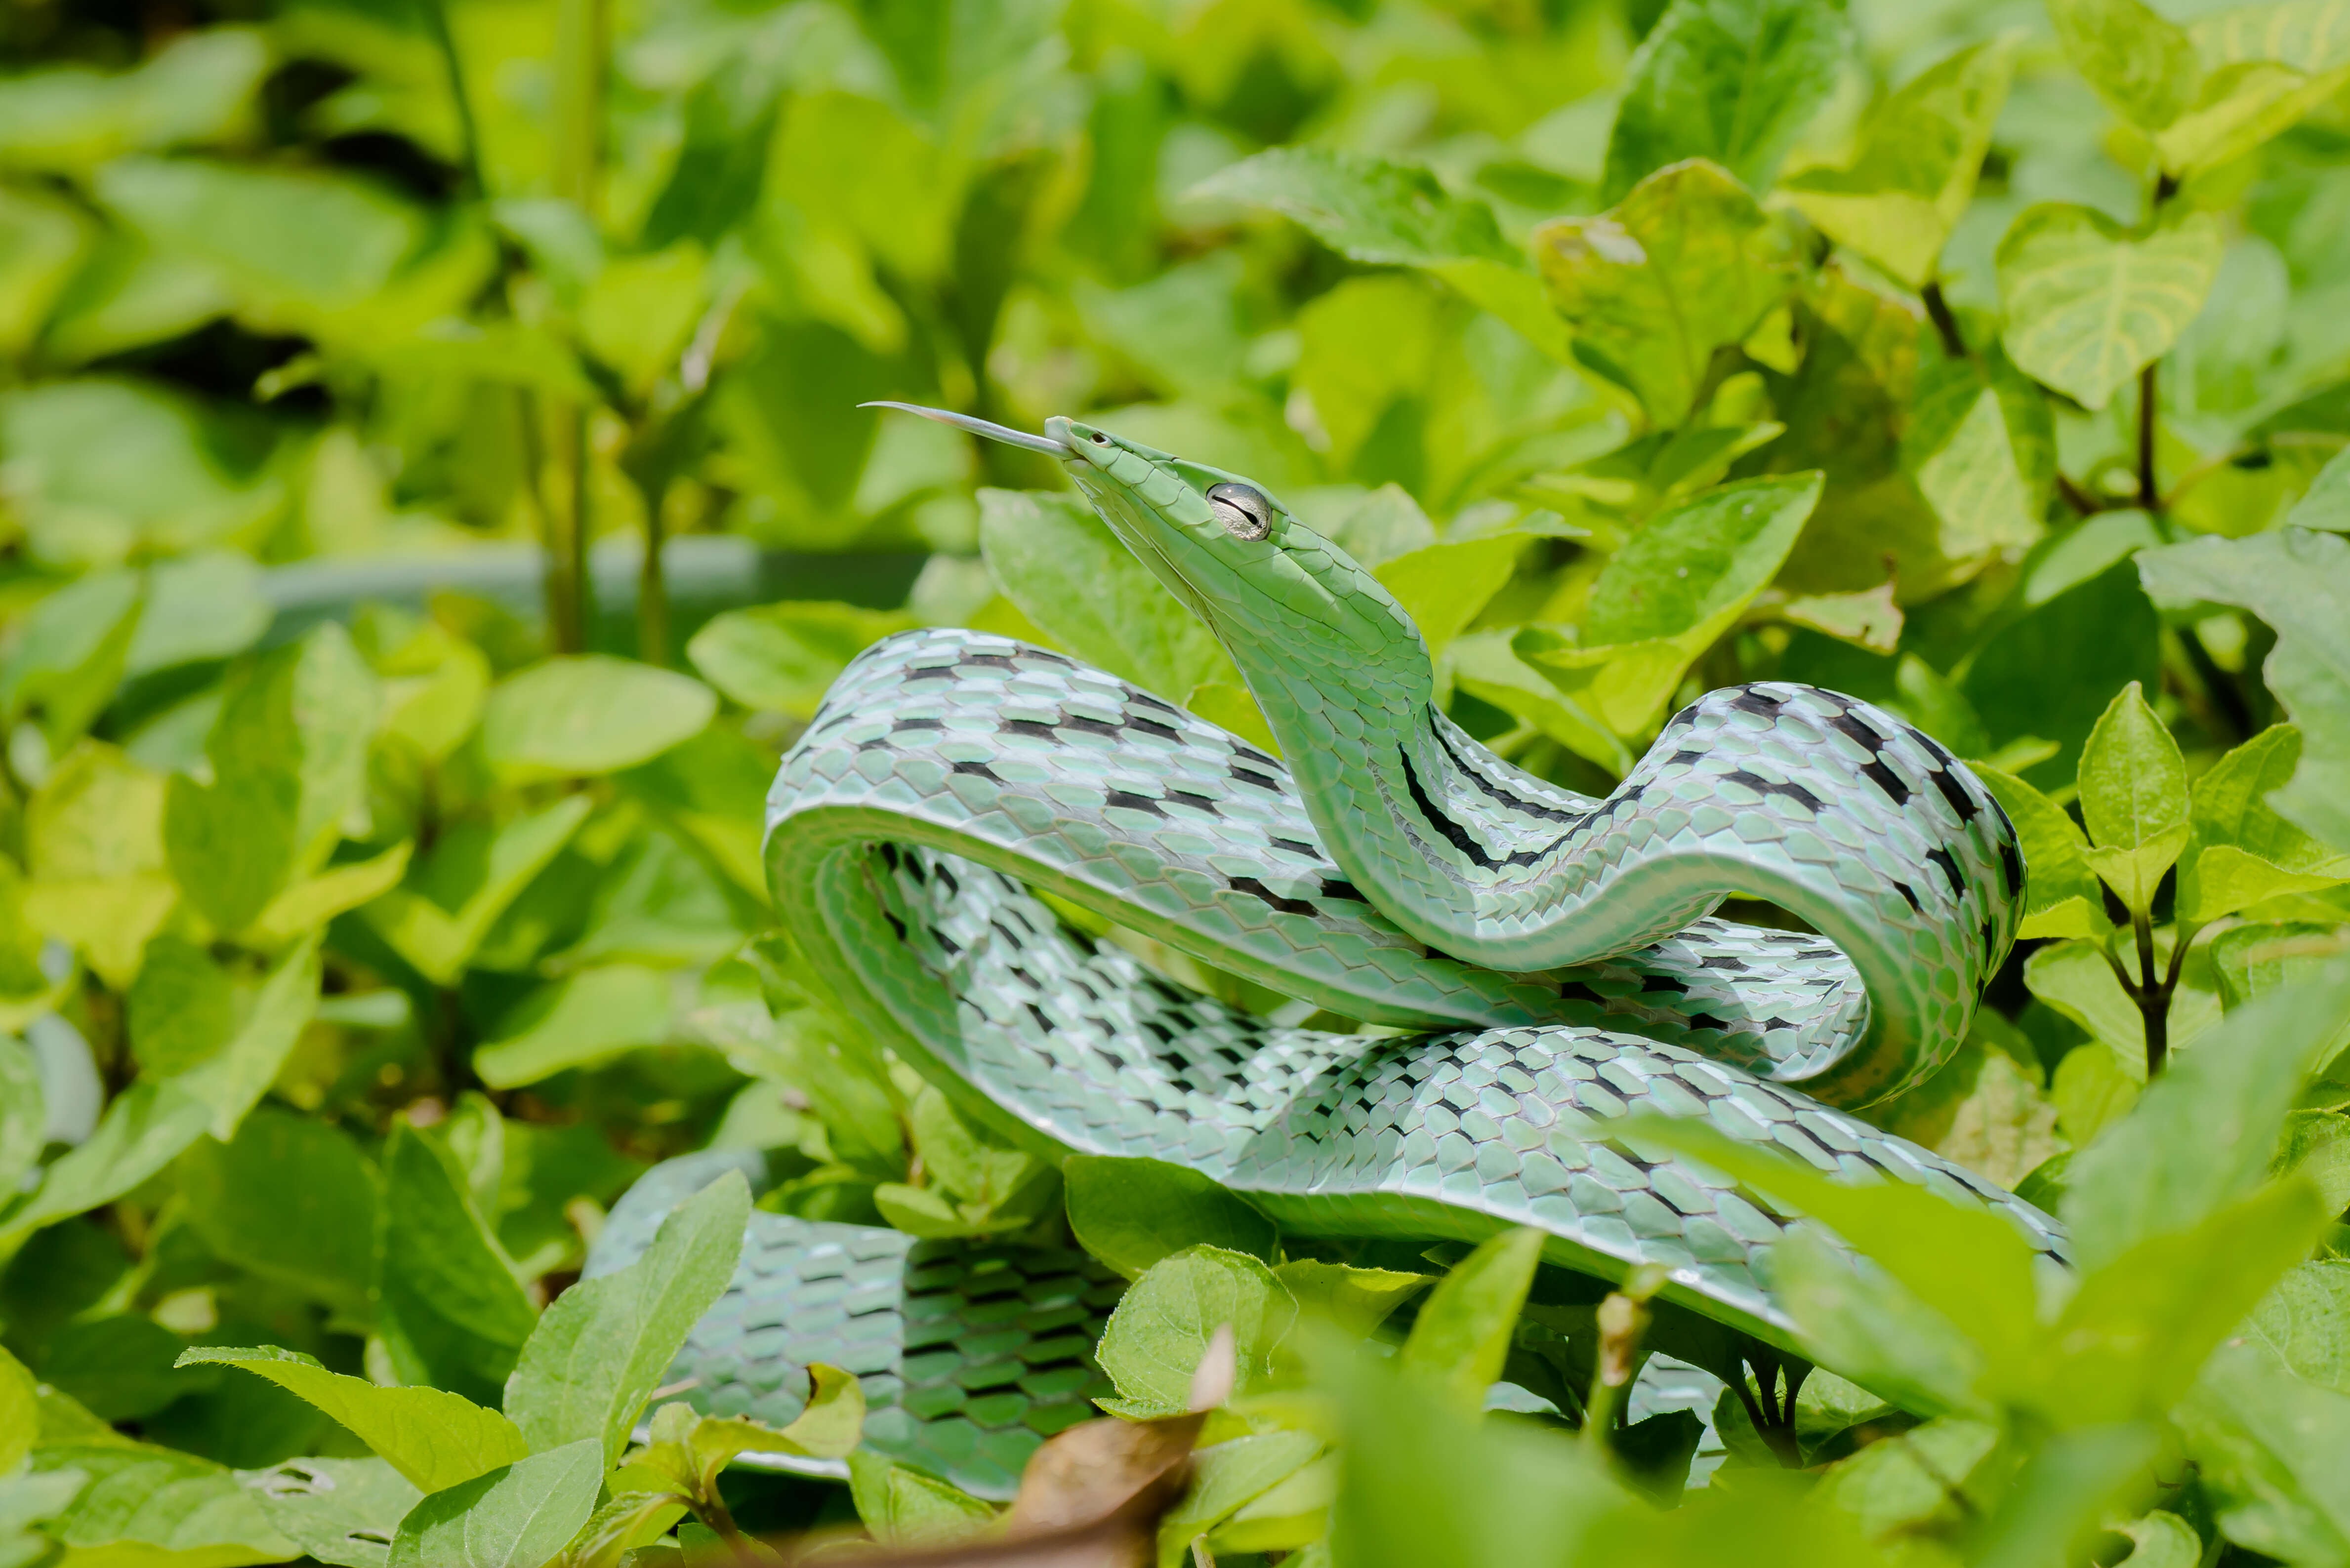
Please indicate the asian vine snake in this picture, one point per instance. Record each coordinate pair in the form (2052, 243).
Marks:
(1553, 953)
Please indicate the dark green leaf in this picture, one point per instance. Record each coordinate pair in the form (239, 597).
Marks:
(1734, 81)
(517, 1517)
(1130, 1213)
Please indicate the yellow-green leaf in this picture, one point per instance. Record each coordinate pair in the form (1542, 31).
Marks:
(2090, 305)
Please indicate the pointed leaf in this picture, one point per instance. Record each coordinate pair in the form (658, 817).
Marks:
(1463, 1331)
(519, 1517)
(2088, 305)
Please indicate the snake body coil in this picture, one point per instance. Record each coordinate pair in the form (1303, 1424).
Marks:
(950, 773)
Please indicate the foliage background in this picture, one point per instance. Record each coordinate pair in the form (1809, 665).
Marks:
(370, 787)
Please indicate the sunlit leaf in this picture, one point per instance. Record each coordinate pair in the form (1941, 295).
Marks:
(2088, 304)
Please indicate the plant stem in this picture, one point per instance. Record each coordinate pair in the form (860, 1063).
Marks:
(1938, 311)
(580, 47)
(2153, 1000)
(2148, 496)
(2078, 499)
(652, 585)
(469, 139)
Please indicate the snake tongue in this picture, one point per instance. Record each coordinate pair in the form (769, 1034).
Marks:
(1009, 437)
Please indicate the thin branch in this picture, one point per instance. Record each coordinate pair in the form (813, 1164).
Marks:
(2149, 496)
(2078, 499)
(1938, 311)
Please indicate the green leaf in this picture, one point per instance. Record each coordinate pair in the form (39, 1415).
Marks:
(181, 1009)
(2050, 673)
(2304, 1322)
(181, 1509)
(573, 1022)
(589, 714)
(1154, 1341)
(1980, 446)
(2088, 304)
(2296, 581)
(205, 606)
(452, 1312)
(437, 917)
(2203, 1133)
(2326, 504)
(2061, 896)
(1355, 1300)
(233, 1079)
(2145, 68)
(1463, 1331)
(2075, 979)
(1443, 586)
(1662, 599)
(2257, 957)
(71, 119)
(1486, 665)
(1981, 1110)
(434, 1438)
(782, 657)
(1364, 208)
(1685, 264)
(600, 1351)
(1226, 1477)
(24, 1130)
(337, 1511)
(688, 1449)
(2242, 851)
(1906, 187)
(20, 1419)
(1069, 575)
(2134, 798)
(2092, 1089)
(2316, 1147)
(1911, 1483)
(2274, 1453)
(143, 1131)
(289, 1199)
(2264, 68)
(45, 243)
(905, 1509)
(2053, 1508)
(519, 1517)
(70, 654)
(1734, 81)
(1131, 1213)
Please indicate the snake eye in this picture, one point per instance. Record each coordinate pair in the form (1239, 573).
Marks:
(1243, 510)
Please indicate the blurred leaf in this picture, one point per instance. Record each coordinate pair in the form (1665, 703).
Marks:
(2295, 580)
(2133, 798)
(1898, 199)
(1225, 1477)
(233, 1079)
(600, 1349)
(71, 654)
(590, 713)
(440, 913)
(143, 1131)
(2257, 957)
(2316, 1147)
(2092, 1090)
(69, 119)
(178, 1508)
(42, 242)
(2305, 1322)
(1981, 447)
(2274, 1454)
(2064, 1492)
(782, 657)
(1442, 587)
(2062, 898)
(1661, 600)
(1366, 352)
(1355, 1300)
(208, 605)
(2326, 504)
(1068, 574)
(24, 1130)
(452, 1313)
(573, 1022)
(309, 904)
(510, 1518)
(289, 1199)
(2087, 304)
(1981, 1110)
(1364, 208)
(1153, 1342)
(2242, 851)
(337, 1511)
(436, 1439)
(2262, 67)
(2143, 66)
(1733, 81)
(20, 1418)
(1683, 265)
(640, 312)
(1464, 1332)
(2203, 1133)
(1912, 1483)
(119, 1366)
(1131, 1213)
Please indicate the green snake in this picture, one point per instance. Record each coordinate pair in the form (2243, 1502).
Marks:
(1553, 957)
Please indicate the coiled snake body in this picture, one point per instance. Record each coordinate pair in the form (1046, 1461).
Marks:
(1552, 955)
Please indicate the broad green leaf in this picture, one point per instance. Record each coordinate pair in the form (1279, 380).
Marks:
(232, 1080)
(70, 119)
(1485, 665)
(2133, 785)
(2251, 960)
(571, 1022)
(2061, 896)
(589, 714)
(94, 844)
(119, 1366)
(1131, 1213)
(1294, 1514)
(905, 1509)
(20, 1420)
(2065, 1493)
(1685, 264)
(452, 1312)
(1734, 81)
(1355, 1300)
(1225, 1477)
(1154, 1341)
(1366, 348)
(1662, 599)
(153, 1505)
(2242, 851)
(45, 241)
(2162, 1540)
(1913, 1482)
(1364, 208)
(2297, 581)
(1069, 575)
(181, 1009)
(1464, 1332)
(608, 1538)
(308, 904)
(2326, 504)
(434, 1438)
(1981, 1110)
(439, 915)
(70, 654)
(688, 1449)
(1980, 446)
(1898, 199)
(1232, 709)
(2089, 305)
(2131, 1339)
(2202, 1135)
(2145, 68)
(2264, 68)
(600, 1351)
(780, 657)
(2050, 674)
(23, 1124)
(2274, 1453)
(1443, 586)
(141, 1132)
(2093, 1089)
(2305, 1322)
(289, 1199)
(1971, 1265)
(2316, 1147)
(205, 606)
(337, 1511)
(231, 843)
(964, 1160)
(517, 1517)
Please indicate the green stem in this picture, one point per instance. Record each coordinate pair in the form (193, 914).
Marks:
(2149, 496)
(468, 138)
(1938, 311)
